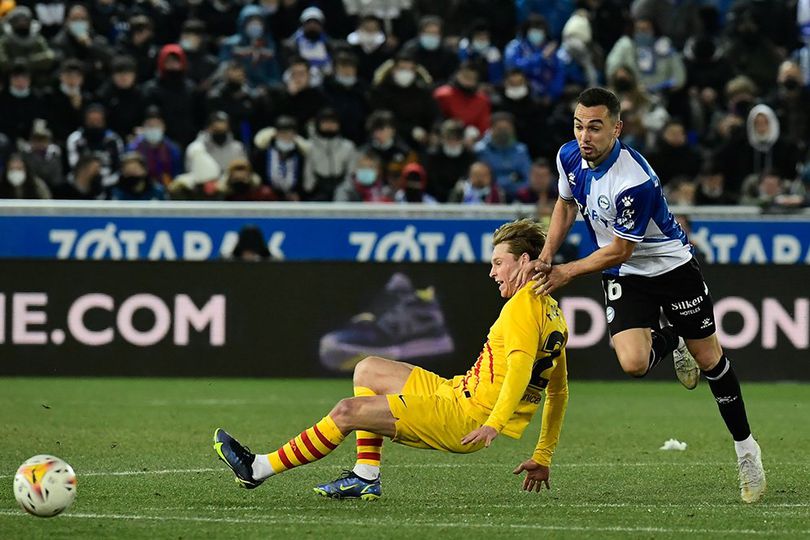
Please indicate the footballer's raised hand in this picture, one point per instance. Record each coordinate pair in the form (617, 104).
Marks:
(484, 434)
(533, 270)
(536, 475)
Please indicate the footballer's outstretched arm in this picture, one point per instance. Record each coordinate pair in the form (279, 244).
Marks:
(562, 219)
(538, 467)
(615, 253)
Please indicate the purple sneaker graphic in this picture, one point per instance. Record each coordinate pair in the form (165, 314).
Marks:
(403, 323)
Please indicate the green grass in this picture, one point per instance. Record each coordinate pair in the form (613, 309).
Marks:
(609, 479)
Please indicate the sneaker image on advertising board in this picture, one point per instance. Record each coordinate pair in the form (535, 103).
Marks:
(403, 323)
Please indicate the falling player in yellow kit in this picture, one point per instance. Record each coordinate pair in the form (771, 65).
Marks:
(523, 358)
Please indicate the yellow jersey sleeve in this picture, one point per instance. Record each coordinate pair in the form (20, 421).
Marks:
(521, 326)
(553, 412)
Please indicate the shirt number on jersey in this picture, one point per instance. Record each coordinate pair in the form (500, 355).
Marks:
(552, 348)
(614, 290)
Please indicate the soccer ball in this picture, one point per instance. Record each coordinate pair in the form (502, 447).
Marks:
(45, 486)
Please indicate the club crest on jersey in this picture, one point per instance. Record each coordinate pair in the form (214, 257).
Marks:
(604, 202)
(571, 178)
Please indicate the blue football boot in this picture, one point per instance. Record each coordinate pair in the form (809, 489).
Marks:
(350, 486)
(239, 458)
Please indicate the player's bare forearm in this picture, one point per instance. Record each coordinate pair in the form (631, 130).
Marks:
(615, 253)
(562, 219)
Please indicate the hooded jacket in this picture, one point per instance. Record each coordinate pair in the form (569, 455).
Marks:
(176, 97)
(258, 57)
(33, 48)
(330, 161)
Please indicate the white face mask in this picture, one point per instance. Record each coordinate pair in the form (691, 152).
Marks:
(284, 146)
(19, 92)
(79, 28)
(452, 151)
(153, 135)
(16, 177)
(404, 77)
(516, 92)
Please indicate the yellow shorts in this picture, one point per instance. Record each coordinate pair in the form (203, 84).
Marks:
(428, 415)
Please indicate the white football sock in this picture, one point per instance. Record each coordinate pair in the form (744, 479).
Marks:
(366, 472)
(261, 467)
(748, 446)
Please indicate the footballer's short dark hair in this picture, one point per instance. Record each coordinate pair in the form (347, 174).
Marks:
(593, 97)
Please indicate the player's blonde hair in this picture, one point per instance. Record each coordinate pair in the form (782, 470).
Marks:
(523, 236)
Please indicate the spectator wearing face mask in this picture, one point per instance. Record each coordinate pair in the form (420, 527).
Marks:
(368, 44)
(478, 187)
(65, 103)
(463, 100)
(542, 188)
(243, 103)
(42, 157)
(138, 42)
(365, 182)
(21, 42)
(20, 103)
(217, 141)
(412, 186)
(447, 162)
(674, 157)
(83, 182)
(428, 50)
(194, 42)
(123, 98)
(330, 158)
(95, 137)
(78, 40)
(311, 43)
(580, 57)
(506, 157)
(790, 102)
(280, 159)
(348, 96)
(134, 182)
(393, 152)
(485, 57)
(533, 52)
(655, 63)
(516, 98)
(403, 88)
(242, 184)
(300, 98)
(175, 95)
(163, 158)
(254, 47)
(18, 182)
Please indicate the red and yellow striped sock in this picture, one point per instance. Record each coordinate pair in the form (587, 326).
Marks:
(369, 445)
(310, 445)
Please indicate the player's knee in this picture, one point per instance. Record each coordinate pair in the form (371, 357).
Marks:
(343, 412)
(364, 371)
(635, 366)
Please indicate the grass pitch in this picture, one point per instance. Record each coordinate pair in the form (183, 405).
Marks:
(142, 453)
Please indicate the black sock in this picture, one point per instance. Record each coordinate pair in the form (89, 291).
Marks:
(726, 389)
(664, 342)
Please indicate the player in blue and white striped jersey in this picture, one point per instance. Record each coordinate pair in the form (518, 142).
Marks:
(647, 267)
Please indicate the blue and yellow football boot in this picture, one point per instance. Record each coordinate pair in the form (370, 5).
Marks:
(350, 486)
(239, 458)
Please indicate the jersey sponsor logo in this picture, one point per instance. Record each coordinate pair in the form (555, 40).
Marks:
(604, 202)
(572, 179)
(535, 399)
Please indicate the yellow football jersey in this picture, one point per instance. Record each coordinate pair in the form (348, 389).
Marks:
(529, 337)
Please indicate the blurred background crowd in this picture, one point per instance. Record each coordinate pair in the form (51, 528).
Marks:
(429, 101)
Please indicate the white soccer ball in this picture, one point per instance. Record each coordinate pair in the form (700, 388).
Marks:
(45, 486)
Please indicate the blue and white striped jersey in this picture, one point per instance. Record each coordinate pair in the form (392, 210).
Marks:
(622, 197)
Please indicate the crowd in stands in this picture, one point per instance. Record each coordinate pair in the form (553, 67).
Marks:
(430, 101)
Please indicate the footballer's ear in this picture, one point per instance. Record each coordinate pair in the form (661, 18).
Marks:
(618, 128)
